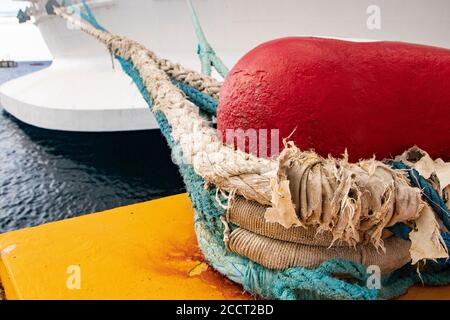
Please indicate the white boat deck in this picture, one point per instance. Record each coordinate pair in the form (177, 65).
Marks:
(77, 97)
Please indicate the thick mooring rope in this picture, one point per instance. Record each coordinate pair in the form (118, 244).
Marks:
(292, 283)
(258, 179)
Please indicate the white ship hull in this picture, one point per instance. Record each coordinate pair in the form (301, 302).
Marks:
(81, 91)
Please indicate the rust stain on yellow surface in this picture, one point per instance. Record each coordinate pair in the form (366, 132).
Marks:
(143, 251)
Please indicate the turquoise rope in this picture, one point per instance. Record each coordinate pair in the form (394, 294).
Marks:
(429, 193)
(292, 283)
(208, 56)
(90, 17)
(431, 197)
(203, 101)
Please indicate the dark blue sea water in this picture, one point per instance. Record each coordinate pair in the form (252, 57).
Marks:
(51, 175)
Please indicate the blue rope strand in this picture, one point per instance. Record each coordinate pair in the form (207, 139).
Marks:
(203, 101)
(431, 197)
(430, 194)
(206, 53)
(90, 17)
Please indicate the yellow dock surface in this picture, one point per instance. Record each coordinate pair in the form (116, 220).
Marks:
(142, 251)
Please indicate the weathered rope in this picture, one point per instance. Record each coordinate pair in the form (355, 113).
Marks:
(354, 201)
(249, 215)
(344, 211)
(293, 283)
(280, 255)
